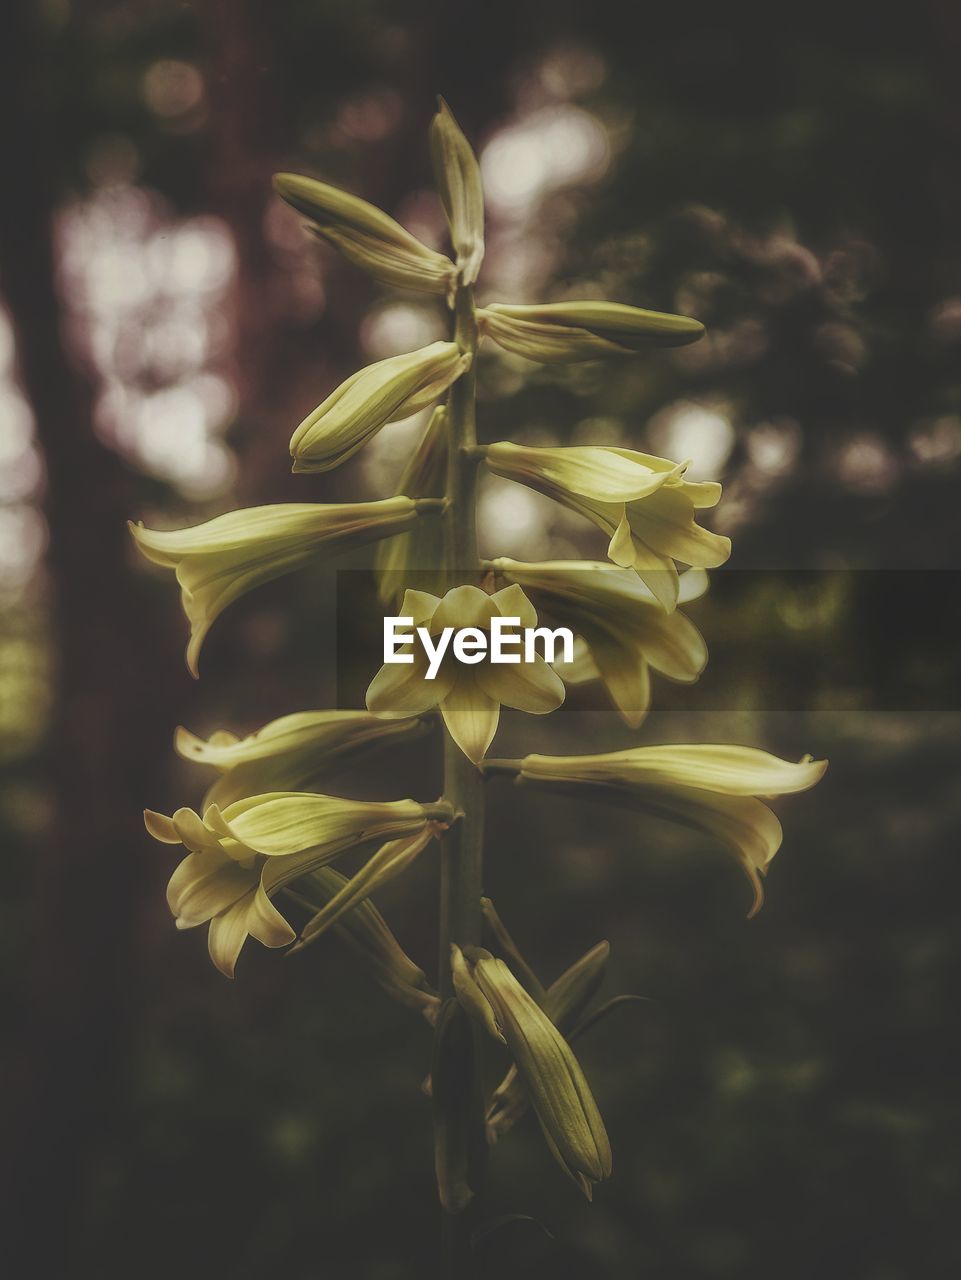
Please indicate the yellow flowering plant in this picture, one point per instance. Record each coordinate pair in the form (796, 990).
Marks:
(263, 846)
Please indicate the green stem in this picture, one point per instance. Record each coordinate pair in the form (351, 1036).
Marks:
(462, 846)
(462, 856)
(460, 520)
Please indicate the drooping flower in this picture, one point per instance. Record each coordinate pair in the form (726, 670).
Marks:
(711, 788)
(622, 631)
(416, 557)
(222, 559)
(291, 753)
(458, 178)
(565, 331)
(641, 502)
(240, 856)
(366, 236)
(368, 400)
(558, 1091)
(469, 696)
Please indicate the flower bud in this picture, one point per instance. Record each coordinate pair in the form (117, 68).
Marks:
(458, 178)
(359, 408)
(366, 236)
(563, 1002)
(562, 331)
(559, 1093)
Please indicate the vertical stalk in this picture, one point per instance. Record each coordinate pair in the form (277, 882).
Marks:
(462, 847)
(461, 858)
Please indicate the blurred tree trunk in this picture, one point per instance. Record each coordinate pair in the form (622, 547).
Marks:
(110, 722)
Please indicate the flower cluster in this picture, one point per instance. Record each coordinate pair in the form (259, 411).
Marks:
(269, 822)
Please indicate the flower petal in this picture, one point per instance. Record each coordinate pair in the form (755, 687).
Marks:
(227, 934)
(513, 603)
(471, 715)
(665, 523)
(204, 884)
(623, 668)
(534, 687)
(399, 690)
(464, 606)
(672, 645)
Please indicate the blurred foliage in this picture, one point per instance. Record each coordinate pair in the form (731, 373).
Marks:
(787, 1103)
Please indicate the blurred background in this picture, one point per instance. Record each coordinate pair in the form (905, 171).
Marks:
(786, 1104)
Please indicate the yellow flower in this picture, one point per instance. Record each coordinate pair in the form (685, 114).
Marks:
(469, 697)
(564, 331)
(240, 856)
(458, 178)
(641, 502)
(711, 788)
(222, 559)
(384, 392)
(291, 753)
(621, 629)
(416, 557)
(366, 236)
(558, 1091)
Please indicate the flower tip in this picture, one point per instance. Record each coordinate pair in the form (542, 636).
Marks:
(758, 902)
(283, 183)
(160, 827)
(818, 767)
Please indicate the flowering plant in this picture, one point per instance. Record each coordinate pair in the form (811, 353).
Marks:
(268, 832)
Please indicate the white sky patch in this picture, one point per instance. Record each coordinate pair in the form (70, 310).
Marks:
(865, 464)
(551, 148)
(513, 520)
(397, 327)
(172, 88)
(23, 539)
(702, 433)
(23, 530)
(936, 441)
(774, 447)
(145, 295)
(385, 456)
